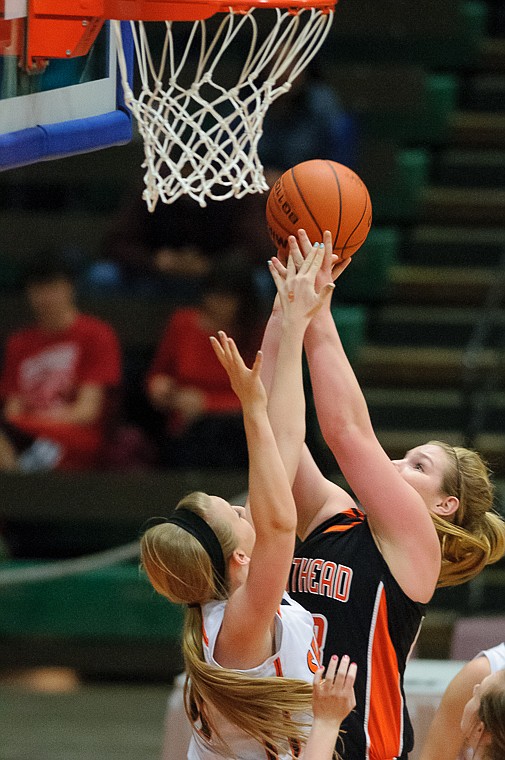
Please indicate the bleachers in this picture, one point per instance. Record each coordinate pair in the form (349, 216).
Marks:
(437, 34)
(396, 179)
(368, 278)
(401, 102)
(400, 75)
(107, 621)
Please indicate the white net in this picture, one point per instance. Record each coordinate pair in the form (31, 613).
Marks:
(200, 109)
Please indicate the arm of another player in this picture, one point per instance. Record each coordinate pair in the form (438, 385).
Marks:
(299, 301)
(245, 636)
(398, 516)
(252, 607)
(312, 491)
(332, 700)
(444, 736)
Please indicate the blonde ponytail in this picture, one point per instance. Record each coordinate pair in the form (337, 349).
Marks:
(180, 569)
(264, 708)
(475, 537)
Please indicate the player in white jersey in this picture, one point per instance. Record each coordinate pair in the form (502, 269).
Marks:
(249, 658)
(447, 737)
(295, 657)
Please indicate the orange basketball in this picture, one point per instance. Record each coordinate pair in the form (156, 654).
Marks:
(320, 195)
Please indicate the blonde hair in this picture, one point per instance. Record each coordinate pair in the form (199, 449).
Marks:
(180, 569)
(492, 714)
(475, 535)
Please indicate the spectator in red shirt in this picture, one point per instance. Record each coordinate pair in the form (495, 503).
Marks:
(58, 380)
(187, 384)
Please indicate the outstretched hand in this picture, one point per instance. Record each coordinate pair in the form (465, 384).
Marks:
(296, 283)
(332, 266)
(333, 696)
(245, 382)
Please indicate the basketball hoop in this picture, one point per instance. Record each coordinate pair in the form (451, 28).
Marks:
(201, 106)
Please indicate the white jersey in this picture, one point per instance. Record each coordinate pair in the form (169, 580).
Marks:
(496, 657)
(295, 656)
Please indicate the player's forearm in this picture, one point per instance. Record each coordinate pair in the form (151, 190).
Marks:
(321, 742)
(269, 492)
(339, 400)
(270, 347)
(286, 404)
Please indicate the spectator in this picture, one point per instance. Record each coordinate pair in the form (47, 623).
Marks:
(170, 252)
(306, 122)
(58, 378)
(187, 384)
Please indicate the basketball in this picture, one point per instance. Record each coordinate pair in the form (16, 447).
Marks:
(320, 195)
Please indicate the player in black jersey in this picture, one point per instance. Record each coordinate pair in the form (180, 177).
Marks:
(366, 572)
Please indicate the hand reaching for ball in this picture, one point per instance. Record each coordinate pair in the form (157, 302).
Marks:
(299, 249)
(295, 283)
(332, 266)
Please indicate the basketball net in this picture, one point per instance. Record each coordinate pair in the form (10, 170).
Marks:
(200, 132)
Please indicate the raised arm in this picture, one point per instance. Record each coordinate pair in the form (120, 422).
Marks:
(397, 514)
(299, 302)
(312, 491)
(252, 606)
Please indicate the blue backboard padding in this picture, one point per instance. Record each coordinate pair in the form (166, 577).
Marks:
(49, 141)
(65, 139)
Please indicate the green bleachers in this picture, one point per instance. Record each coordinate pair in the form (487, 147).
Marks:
(352, 326)
(400, 102)
(368, 277)
(396, 182)
(427, 121)
(113, 602)
(105, 624)
(438, 33)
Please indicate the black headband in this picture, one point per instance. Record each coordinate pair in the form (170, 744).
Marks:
(201, 530)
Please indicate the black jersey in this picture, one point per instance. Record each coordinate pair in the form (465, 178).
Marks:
(359, 609)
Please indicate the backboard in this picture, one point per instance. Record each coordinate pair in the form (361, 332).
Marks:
(66, 107)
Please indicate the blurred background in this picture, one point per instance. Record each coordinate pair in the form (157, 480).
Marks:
(412, 97)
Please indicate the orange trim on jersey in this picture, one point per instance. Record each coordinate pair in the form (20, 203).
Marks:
(204, 634)
(271, 753)
(295, 748)
(278, 667)
(356, 516)
(385, 720)
(342, 528)
(313, 657)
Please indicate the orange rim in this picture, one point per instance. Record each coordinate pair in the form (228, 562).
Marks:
(181, 10)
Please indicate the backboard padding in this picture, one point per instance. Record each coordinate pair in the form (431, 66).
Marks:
(66, 120)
